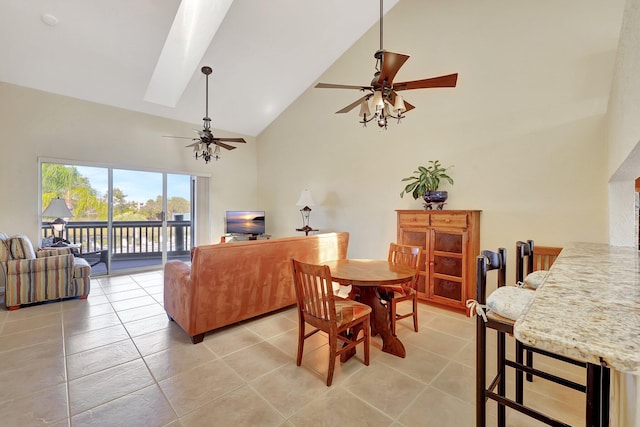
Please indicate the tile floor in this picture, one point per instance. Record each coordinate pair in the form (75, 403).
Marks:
(115, 360)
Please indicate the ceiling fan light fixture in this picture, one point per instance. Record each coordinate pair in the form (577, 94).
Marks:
(399, 106)
(377, 102)
(364, 109)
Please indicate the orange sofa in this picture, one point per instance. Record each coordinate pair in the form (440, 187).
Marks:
(230, 282)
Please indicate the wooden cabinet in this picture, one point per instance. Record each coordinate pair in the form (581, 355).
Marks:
(451, 242)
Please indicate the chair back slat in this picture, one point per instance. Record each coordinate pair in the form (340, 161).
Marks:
(314, 291)
(544, 257)
(524, 258)
(406, 255)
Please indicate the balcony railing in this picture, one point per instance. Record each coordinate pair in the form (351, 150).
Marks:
(129, 239)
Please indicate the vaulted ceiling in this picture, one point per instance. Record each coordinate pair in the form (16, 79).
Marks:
(264, 54)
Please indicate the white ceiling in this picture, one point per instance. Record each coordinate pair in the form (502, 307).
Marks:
(264, 54)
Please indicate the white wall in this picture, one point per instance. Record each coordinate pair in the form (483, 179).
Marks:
(524, 129)
(624, 131)
(35, 124)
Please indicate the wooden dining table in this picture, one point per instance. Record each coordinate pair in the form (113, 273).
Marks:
(367, 275)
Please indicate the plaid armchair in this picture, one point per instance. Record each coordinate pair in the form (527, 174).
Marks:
(45, 275)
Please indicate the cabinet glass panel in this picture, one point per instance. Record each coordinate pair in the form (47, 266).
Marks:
(447, 242)
(447, 289)
(447, 265)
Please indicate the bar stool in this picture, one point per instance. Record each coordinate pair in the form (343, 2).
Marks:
(502, 308)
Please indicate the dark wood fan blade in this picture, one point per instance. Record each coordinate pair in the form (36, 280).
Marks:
(231, 140)
(450, 80)
(391, 63)
(332, 86)
(195, 144)
(408, 106)
(352, 105)
(180, 137)
(223, 145)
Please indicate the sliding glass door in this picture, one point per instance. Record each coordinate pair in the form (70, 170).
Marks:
(122, 219)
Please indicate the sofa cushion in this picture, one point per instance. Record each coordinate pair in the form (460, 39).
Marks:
(5, 251)
(21, 247)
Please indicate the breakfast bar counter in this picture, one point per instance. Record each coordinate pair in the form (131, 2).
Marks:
(588, 309)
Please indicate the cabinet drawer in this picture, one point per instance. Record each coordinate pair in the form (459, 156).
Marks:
(409, 219)
(449, 220)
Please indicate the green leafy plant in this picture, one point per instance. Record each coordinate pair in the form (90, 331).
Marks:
(426, 179)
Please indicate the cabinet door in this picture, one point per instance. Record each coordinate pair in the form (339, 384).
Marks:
(418, 237)
(446, 284)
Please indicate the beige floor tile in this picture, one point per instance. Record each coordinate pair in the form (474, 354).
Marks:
(36, 322)
(133, 303)
(457, 380)
(155, 289)
(96, 389)
(51, 334)
(436, 342)
(123, 295)
(145, 407)
(120, 288)
(98, 359)
(75, 326)
(141, 313)
(92, 339)
(467, 355)
(456, 326)
(161, 340)
(81, 309)
(32, 355)
(390, 394)
(177, 359)
(31, 378)
(34, 311)
(270, 326)
(227, 340)
(242, 407)
(290, 388)
(148, 325)
(252, 362)
(434, 408)
(338, 407)
(194, 388)
(115, 280)
(96, 299)
(419, 364)
(46, 407)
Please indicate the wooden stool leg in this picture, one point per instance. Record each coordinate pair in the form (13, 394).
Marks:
(519, 374)
(481, 372)
(502, 381)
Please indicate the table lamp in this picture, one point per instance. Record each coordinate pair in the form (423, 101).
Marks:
(58, 209)
(305, 200)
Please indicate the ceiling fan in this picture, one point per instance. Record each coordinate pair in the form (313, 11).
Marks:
(202, 147)
(383, 91)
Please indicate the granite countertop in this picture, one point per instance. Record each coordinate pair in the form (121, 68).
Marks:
(588, 308)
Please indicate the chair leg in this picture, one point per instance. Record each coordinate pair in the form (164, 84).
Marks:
(366, 329)
(502, 386)
(481, 372)
(392, 303)
(300, 342)
(415, 314)
(519, 373)
(333, 347)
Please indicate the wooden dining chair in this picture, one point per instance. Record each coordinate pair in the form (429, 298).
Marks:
(498, 312)
(338, 318)
(395, 294)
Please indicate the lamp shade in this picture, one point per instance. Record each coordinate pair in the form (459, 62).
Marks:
(305, 199)
(377, 102)
(57, 209)
(364, 109)
(399, 106)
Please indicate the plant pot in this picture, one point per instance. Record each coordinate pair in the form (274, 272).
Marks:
(435, 199)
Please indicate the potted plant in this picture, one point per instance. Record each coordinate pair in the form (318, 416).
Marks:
(426, 182)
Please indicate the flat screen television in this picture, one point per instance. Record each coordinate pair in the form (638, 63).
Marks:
(245, 222)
